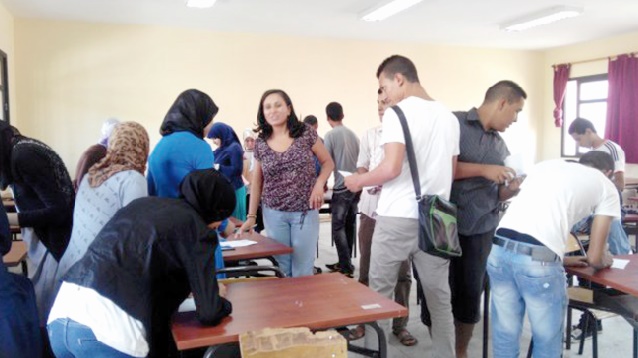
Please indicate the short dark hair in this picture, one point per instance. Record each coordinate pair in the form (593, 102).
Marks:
(398, 64)
(505, 89)
(310, 119)
(334, 111)
(580, 126)
(598, 159)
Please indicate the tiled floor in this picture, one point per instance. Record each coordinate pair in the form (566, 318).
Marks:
(615, 341)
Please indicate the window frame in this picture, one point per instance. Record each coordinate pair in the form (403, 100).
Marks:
(564, 128)
(4, 87)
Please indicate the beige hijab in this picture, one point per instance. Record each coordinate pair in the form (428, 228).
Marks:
(127, 150)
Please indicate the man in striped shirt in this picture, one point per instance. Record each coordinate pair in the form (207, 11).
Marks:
(585, 135)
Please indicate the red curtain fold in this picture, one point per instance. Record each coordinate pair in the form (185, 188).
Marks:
(622, 105)
(561, 76)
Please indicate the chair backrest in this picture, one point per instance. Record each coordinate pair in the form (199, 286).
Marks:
(574, 246)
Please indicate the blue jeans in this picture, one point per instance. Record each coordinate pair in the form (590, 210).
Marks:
(520, 284)
(71, 339)
(617, 238)
(299, 231)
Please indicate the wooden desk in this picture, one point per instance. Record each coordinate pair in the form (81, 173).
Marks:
(264, 249)
(317, 302)
(622, 280)
(17, 255)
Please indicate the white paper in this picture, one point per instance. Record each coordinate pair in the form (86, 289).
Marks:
(370, 307)
(516, 162)
(344, 173)
(237, 243)
(187, 306)
(619, 264)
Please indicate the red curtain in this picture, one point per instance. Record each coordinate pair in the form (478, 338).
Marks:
(622, 105)
(561, 76)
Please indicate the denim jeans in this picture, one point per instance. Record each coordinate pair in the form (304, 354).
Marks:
(616, 239)
(519, 284)
(343, 208)
(298, 230)
(71, 339)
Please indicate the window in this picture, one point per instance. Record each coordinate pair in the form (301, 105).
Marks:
(585, 97)
(4, 88)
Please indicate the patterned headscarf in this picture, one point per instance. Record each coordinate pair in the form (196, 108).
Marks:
(128, 150)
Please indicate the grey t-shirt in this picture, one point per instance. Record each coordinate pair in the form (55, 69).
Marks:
(343, 146)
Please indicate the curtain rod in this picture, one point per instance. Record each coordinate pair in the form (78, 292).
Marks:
(597, 59)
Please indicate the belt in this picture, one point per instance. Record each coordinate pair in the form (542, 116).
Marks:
(538, 253)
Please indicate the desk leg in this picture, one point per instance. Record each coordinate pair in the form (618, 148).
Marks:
(486, 317)
(383, 348)
(25, 270)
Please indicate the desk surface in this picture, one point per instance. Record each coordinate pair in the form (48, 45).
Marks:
(625, 280)
(16, 255)
(265, 247)
(317, 302)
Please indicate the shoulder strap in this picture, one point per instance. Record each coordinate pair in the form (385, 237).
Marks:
(409, 148)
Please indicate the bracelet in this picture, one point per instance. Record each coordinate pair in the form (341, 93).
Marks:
(251, 216)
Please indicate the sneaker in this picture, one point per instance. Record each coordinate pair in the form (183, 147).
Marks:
(577, 330)
(333, 267)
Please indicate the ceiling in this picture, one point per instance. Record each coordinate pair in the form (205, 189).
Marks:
(452, 22)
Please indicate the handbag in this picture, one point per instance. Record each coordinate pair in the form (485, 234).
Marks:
(438, 233)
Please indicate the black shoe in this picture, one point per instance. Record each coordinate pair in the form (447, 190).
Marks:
(347, 272)
(333, 267)
(316, 270)
(578, 330)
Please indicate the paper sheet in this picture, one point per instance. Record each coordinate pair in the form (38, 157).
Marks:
(619, 264)
(344, 173)
(237, 243)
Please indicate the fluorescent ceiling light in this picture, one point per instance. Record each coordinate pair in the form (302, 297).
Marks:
(384, 11)
(544, 17)
(200, 4)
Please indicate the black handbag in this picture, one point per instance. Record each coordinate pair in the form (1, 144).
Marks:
(438, 233)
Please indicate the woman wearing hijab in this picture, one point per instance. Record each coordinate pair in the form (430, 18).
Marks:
(229, 159)
(43, 195)
(182, 148)
(110, 185)
(146, 260)
(94, 153)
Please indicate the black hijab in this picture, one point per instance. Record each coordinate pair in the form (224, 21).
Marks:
(209, 193)
(192, 111)
(7, 133)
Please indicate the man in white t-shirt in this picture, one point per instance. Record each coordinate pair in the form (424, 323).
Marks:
(435, 134)
(584, 133)
(525, 265)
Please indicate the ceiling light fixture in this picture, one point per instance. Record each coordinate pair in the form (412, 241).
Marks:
(544, 17)
(384, 11)
(200, 4)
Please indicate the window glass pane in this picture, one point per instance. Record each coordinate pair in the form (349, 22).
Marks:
(593, 90)
(570, 106)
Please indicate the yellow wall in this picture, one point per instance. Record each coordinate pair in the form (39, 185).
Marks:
(6, 45)
(549, 143)
(73, 75)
